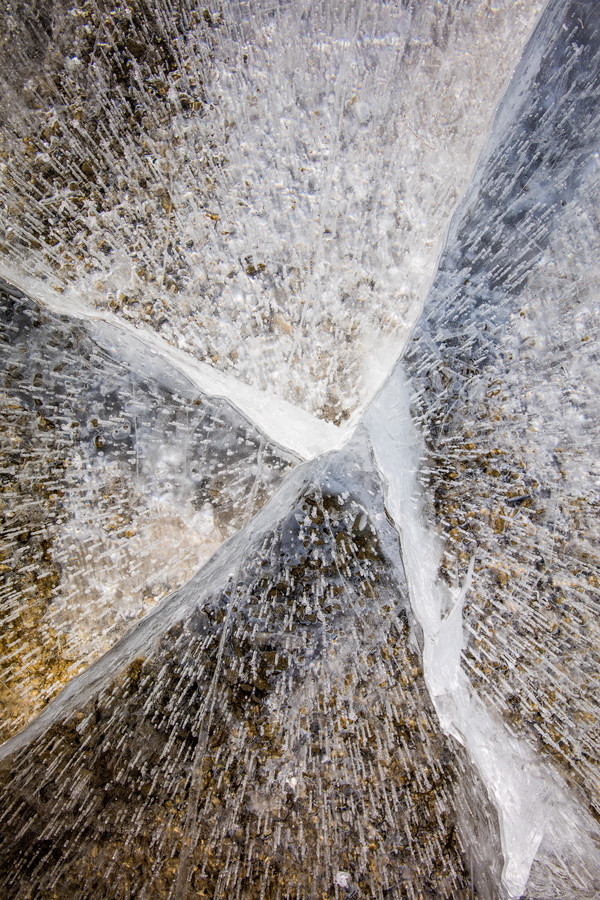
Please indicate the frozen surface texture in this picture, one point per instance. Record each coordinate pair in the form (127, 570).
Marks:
(384, 682)
(502, 373)
(267, 186)
(119, 479)
(274, 739)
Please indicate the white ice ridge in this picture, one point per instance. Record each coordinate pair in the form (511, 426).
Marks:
(535, 809)
(287, 425)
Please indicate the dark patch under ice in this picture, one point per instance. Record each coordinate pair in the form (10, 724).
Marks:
(494, 376)
(292, 717)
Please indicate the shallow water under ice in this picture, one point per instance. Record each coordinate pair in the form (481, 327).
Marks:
(311, 290)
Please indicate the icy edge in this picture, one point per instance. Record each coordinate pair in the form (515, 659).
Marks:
(533, 806)
(287, 425)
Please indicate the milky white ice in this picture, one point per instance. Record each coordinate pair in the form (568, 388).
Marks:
(281, 211)
(287, 425)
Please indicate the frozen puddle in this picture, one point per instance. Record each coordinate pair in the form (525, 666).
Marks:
(298, 435)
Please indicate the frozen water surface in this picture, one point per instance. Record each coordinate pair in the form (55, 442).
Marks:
(311, 290)
(267, 185)
(500, 374)
(265, 729)
(119, 479)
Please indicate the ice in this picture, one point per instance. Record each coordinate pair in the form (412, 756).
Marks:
(268, 187)
(265, 732)
(300, 450)
(119, 479)
(500, 374)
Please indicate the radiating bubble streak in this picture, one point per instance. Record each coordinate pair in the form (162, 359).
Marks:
(525, 821)
(266, 189)
(483, 510)
(529, 797)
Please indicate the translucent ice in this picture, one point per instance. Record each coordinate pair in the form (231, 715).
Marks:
(119, 479)
(265, 732)
(267, 186)
(384, 681)
(500, 373)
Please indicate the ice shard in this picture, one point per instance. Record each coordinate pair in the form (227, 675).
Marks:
(266, 732)
(267, 186)
(499, 376)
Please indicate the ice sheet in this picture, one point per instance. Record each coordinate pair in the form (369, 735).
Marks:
(119, 478)
(267, 187)
(500, 375)
(247, 207)
(264, 733)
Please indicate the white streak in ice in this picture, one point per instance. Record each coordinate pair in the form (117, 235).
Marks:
(533, 805)
(282, 422)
